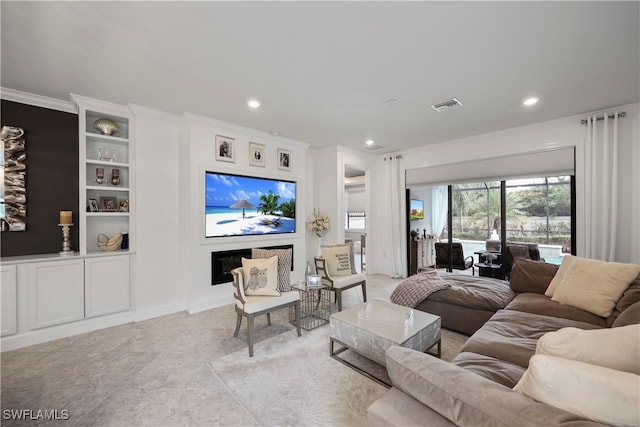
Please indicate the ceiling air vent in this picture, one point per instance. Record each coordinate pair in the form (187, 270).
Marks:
(445, 105)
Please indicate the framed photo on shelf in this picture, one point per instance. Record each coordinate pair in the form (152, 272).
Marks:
(284, 159)
(108, 204)
(313, 281)
(93, 205)
(225, 149)
(256, 154)
(123, 205)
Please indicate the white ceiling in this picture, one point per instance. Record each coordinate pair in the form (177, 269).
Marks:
(323, 70)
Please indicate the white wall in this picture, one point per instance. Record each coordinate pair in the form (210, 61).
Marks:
(565, 132)
(199, 143)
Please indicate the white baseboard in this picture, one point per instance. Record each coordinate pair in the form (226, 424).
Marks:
(199, 306)
(152, 313)
(39, 336)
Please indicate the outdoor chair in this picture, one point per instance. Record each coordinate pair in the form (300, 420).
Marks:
(252, 306)
(338, 284)
(458, 260)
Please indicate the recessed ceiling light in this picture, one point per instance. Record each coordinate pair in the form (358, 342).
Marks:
(369, 142)
(253, 103)
(531, 101)
(391, 101)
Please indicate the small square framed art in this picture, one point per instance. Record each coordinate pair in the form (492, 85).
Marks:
(256, 154)
(284, 159)
(225, 149)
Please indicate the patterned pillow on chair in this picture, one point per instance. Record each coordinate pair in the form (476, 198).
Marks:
(284, 265)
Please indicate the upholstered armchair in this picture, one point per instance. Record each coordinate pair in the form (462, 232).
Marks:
(340, 283)
(458, 260)
(251, 306)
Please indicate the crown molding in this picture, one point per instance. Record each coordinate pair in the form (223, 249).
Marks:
(37, 100)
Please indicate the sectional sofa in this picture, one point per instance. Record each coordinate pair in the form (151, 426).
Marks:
(523, 345)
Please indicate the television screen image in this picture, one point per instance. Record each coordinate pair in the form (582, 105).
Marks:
(417, 209)
(238, 205)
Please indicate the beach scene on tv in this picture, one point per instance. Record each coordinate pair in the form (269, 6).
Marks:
(241, 205)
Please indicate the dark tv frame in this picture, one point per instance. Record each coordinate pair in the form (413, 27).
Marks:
(275, 180)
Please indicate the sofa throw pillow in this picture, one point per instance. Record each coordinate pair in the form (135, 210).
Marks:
(337, 260)
(594, 286)
(564, 266)
(284, 265)
(260, 276)
(351, 254)
(594, 392)
(615, 348)
(531, 276)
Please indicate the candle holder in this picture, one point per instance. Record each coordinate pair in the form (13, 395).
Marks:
(115, 176)
(66, 240)
(99, 176)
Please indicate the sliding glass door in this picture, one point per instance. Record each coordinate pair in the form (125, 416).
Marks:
(530, 218)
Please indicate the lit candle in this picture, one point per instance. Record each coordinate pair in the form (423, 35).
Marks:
(66, 217)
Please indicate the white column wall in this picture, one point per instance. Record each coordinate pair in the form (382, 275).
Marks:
(157, 289)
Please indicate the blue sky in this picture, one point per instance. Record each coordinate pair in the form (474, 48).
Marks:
(225, 190)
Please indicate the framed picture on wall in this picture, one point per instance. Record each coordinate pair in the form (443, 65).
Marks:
(256, 154)
(93, 205)
(284, 159)
(225, 149)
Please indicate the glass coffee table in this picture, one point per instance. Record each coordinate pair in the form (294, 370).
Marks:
(369, 329)
(315, 305)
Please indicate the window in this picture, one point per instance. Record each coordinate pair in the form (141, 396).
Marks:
(538, 210)
(356, 220)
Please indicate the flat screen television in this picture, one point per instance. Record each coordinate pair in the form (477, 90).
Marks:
(416, 209)
(239, 205)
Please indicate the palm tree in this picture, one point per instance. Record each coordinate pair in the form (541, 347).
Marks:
(269, 204)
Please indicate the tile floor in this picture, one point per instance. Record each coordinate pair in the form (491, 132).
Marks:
(148, 373)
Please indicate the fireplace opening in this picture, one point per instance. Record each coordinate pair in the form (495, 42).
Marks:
(222, 262)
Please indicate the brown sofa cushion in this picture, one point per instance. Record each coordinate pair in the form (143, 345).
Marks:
(541, 304)
(499, 371)
(531, 276)
(465, 398)
(512, 335)
(628, 298)
(630, 316)
(481, 293)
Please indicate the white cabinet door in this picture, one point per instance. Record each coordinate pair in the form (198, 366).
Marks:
(9, 286)
(107, 285)
(56, 292)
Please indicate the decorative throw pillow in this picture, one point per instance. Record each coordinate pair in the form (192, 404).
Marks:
(599, 394)
(337, 260)
(615, 348)
(594, 286)
(531, 276)
(284, 265)
(351, 254)
(260, 276)
(564, 266)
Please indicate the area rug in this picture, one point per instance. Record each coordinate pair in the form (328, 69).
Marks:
(292, 380)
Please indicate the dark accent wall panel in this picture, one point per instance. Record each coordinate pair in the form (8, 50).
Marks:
(52, 177)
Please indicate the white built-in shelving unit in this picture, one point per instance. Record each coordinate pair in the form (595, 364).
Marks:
(116, 217)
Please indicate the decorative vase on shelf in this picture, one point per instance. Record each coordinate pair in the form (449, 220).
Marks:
(319, 251)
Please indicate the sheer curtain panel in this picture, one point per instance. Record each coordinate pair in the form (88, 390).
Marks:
(601, 183)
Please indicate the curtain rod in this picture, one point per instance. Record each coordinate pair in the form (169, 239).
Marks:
(584, 121)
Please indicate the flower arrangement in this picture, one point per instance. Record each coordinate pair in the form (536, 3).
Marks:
(318, 223)
(490, 257)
